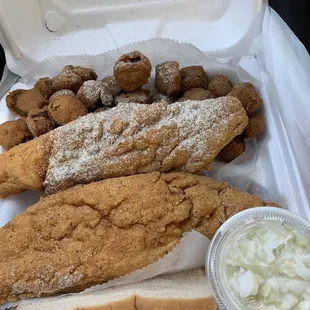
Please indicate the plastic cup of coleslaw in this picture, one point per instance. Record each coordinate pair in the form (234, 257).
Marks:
(260, 259)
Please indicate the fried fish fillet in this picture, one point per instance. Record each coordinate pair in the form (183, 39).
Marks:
(93, 233)
(126, 140)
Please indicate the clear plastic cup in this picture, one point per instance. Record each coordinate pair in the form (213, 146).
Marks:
(216, 260)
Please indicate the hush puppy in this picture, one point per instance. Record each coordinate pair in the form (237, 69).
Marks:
(64, 109)
(45, 86)
(132, 71)
(94, 92)
(138, 96)
(196, 94)
(72, 78)
(21, 101)
(220, 85)
(111, 85)
(255, 126)
(39, 122)
(13, 133)
(193, 77)
(232, 150)
(62, 92)
(248, 96)
(158, 96)
(168, 78)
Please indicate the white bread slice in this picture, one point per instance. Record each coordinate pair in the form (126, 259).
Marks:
(180, 291)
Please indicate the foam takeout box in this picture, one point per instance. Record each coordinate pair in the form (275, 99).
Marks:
(246, 33)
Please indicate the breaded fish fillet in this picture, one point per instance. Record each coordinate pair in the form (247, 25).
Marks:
(128, 139)
(93, 233)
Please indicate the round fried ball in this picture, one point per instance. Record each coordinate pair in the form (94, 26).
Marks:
(39, 122)
(64, 109)
(168, 78)
(21, 101)
(106, 96)
(233, 150)
(255, 126)
(62, 92)
(89, 93)
(193, 77)
(45, 86)
(67, 80)
(158, 97)
(246, 93)
(94, 92)
(132, 71)
(72, 78)
(13, 133)
(111, 85)
(141, 96)
(197, 94)
(220, 85)
(85, 73)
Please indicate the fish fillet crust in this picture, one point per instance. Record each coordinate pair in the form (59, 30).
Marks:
(126, 140)
(90, 234)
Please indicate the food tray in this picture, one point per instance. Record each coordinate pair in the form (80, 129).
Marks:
(243, 43)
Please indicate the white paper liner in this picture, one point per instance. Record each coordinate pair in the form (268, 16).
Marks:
(157, 50)
(191, 251)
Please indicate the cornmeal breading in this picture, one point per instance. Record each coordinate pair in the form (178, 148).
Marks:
(93, 233)
(126, 140)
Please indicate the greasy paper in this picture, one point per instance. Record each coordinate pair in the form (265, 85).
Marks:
(190, 253)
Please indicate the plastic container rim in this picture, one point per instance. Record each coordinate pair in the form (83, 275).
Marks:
(260, 213)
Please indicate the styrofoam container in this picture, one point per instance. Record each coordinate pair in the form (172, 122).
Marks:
(226, 29)
(34, 30)
(243, 32)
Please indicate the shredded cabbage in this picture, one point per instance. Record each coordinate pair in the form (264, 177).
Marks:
(268, 265)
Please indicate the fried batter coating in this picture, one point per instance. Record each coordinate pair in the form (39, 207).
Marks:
(111, 85)
(127, 139)
(64, 109)
(39, 122)
(94, 92)
(220, 85)
(168, 78)
(158, 96)
(72, 78)
(106, 96)
(90, 234)
(62, 92)
(233, 150)
(248, 96)
(13, 133)
(21, 101)
(67, 80)
(196, 94)
(45, 86)
(138, 96)
(85, 73)
(255, 127)
(132, 71)
(193, 77)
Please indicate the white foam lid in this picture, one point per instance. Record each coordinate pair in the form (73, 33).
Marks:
(33, 30)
